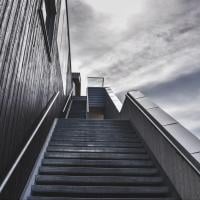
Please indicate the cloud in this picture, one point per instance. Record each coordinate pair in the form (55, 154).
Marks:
(156, 50)
(88, 31)
(180, 99)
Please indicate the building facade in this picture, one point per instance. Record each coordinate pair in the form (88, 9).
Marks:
(34, 66)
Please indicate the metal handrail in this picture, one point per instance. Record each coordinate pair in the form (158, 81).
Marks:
(88, 108)
(3, 184)
(70, 94)
(164, 135)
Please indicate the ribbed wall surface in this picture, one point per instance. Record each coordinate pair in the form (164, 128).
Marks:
(28, 80)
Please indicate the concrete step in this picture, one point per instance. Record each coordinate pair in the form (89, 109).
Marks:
(97, 163)
(100, 171)
(97, 144)
(98, 180)
(78, 108)
(97, 191)
(95, 149)
(93, 139)
(97, 156)
(72, 198)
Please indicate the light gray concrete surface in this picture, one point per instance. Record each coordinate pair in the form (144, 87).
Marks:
(112, 105)
(174, 147)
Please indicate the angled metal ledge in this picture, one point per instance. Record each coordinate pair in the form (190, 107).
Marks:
(68, 100)
(31, 180)
(114, 98)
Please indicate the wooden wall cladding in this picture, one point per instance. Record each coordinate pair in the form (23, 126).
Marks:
(28, 79)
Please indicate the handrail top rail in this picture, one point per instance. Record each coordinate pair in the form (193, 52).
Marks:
(12, 169)
(70, 94)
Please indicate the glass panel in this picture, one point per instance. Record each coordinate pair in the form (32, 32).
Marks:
(95, 82)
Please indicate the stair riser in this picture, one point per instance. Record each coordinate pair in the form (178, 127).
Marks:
(84, 171)
(99, 180)
(99, 191)
(118, 145)
(97, 163)
(93, 150)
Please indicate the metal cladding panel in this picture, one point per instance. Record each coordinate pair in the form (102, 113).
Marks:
(29, 78)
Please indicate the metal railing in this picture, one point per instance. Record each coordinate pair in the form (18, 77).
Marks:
(6, 179)
(88, 108)
(69, 97)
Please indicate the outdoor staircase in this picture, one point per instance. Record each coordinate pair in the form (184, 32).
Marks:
(96, 98)
(97, 159)
(78, 107)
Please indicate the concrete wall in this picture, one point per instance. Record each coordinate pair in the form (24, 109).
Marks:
(175, 148)
(112, 105)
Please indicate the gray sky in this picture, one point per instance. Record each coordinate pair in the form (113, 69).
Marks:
(150, 45)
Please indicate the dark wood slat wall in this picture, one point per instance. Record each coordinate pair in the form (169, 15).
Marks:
(28, 79)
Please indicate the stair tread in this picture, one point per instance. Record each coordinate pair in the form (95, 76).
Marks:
(72, 198)
(96, 149)
(96, 156)
(103, 191)
(95, 131)
(75, 134)
(92, 144)
(89, 135)
(78, 108)
(95, 140)
(97, 180)
(107, 163)
(98, 171)
(96, 143)
(81, 133)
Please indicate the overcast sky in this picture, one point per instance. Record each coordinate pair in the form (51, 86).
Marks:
(150, 45)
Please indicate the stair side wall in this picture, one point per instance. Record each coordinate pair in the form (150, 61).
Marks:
(184, 178)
